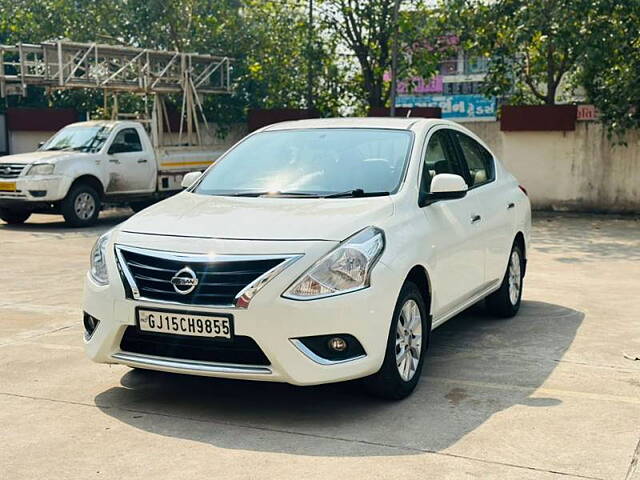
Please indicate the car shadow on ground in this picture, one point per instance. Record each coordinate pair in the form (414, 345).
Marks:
(55, 225)
(477, 366)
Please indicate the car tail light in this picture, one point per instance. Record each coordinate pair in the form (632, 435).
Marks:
(524, 190)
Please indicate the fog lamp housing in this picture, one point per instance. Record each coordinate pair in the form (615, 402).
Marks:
(90, 325)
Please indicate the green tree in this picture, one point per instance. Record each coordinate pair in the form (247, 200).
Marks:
(532, 45)
(610, 69)
(267, 39)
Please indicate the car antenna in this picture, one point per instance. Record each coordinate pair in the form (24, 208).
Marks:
(409, 113)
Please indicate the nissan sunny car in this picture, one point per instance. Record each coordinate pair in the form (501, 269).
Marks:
(311, 252)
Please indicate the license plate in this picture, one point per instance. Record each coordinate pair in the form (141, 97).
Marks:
(182, 323)
(8, 186)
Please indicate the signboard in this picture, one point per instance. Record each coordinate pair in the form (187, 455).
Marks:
(417, 84)
(587, 112)
(461, 108)
(462, 88)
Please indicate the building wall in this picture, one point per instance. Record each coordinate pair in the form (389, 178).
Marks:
(21, 141)
(573, 171)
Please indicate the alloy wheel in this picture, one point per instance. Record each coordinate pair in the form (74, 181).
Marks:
(408, 340)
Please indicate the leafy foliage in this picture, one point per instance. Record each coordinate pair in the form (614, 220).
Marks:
(610, 69)
(532, 45)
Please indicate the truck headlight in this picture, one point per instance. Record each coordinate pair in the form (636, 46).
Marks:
(98, 270)
(345, 269)
(41, 169)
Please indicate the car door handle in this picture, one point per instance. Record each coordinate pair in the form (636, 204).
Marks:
(511, 205)
(475, 218)
(142, 160)
(114, 160)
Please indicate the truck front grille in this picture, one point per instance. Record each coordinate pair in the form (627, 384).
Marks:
(11, 170)
(220, 279)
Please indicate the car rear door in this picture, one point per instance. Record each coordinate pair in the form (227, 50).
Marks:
(457, 259)
(490, 205)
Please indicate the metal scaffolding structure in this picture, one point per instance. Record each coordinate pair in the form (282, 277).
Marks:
(71, 65)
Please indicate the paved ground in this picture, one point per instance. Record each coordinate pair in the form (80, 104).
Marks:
(548, 394)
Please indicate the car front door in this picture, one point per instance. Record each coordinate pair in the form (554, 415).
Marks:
(489, 200)
(129, 163)
(456, 257)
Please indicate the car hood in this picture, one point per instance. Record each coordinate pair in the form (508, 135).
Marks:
(188, 214)
(37, 156)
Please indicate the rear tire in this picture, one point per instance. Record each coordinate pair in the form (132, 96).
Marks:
(505, 302)
(14, 217)
(406, 347)
(81, 206)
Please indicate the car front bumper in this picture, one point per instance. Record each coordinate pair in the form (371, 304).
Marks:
(272, 321)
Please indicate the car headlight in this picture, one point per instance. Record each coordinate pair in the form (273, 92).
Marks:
(345, 269)
(98, 268)
(41, 169)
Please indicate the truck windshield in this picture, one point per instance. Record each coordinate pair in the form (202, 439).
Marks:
(79, 138)
(336, 162)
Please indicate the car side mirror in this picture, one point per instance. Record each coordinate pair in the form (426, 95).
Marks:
(40, 144)
(190, 178)
(445, 186)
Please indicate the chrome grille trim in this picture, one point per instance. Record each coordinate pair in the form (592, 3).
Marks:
(240, 300)
(188, 366)
(11, 170)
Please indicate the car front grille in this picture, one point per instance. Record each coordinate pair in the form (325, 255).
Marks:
(11, 170)
(240, 351)
(149, 274)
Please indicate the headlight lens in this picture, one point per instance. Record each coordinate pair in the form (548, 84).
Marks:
(345, 269)
(98, 268)
(41, 169)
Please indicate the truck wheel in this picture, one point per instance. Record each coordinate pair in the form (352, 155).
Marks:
(406, 347)
(14, 217)
(81, 206)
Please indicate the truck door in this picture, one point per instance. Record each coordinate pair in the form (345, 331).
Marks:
(130, 165)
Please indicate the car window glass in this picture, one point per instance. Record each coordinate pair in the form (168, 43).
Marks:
(479, 161)
(437, 159)
(127, 140)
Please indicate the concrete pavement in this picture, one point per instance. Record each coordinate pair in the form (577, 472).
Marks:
(548, 394)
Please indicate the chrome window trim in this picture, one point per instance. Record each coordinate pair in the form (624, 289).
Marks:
(317, 358)
(243, 297)
(188, 366)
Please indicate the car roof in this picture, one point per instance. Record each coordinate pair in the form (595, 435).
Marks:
(356, 122)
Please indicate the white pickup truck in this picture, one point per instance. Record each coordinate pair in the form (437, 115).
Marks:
(87, 165)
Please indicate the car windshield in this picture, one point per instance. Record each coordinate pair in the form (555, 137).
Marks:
(80, 138)
(338, 162)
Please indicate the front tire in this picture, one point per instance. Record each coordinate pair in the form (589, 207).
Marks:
(505, 302)
(406, 347)
(14, 217)
(81, 206)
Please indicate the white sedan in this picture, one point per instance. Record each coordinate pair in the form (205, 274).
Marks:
(313, 251)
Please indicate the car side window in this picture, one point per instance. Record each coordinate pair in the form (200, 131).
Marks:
(437, 159)
(479, 161)
(126, 140)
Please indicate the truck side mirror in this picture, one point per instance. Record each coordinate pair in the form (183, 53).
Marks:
(190, 178)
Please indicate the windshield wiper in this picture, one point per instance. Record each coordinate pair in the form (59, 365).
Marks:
(273, 194)
(356, 193)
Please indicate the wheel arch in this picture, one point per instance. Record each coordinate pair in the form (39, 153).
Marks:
(90, 180)
(419, 275)
(520, 241)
